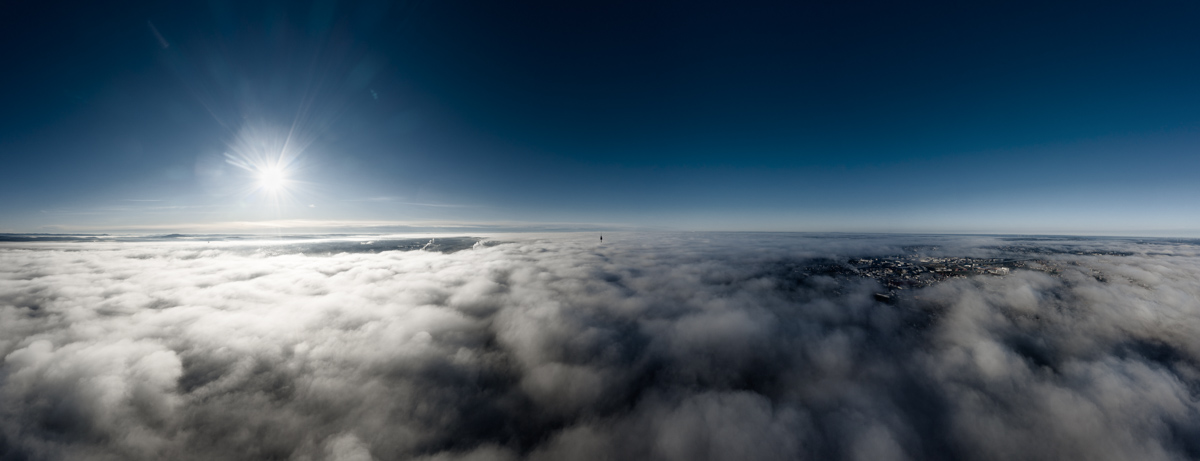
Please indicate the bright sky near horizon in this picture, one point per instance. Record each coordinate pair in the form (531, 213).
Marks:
(958, 117)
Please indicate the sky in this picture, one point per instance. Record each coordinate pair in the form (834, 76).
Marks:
(956, 117)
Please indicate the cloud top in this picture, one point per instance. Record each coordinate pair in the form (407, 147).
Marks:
(648, 346)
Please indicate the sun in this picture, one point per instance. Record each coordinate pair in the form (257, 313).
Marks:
(271, 179)
(269, 165)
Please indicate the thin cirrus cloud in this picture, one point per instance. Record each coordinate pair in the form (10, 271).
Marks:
(648, 346)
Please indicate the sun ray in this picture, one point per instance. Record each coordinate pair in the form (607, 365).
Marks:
(271, 161)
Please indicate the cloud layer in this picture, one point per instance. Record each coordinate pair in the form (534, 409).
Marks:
(673, 347)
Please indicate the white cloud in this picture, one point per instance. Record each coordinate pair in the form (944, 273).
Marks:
(648, 346)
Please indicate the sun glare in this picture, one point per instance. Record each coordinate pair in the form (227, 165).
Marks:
(271, 179)
(270, 165)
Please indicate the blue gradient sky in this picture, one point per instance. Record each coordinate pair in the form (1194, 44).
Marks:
(976, 117)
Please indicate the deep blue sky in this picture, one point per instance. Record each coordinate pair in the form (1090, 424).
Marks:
(1072, 117)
